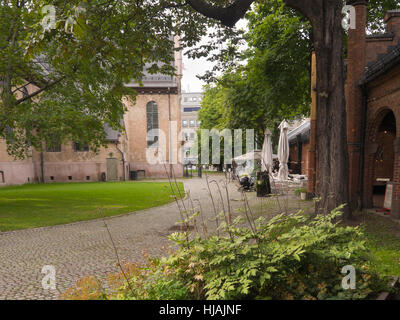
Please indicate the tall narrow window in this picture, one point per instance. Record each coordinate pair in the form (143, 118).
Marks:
(152, 124)
(2, 177)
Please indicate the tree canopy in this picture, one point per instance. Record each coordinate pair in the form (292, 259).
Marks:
(76, 57)
(273, 83)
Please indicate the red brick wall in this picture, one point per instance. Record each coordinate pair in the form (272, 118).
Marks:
(379, 45)
(383, 97)
(383, 168)
(304, 158)
(293, 157)
(354, 102)
(392, 20)
(376, 46)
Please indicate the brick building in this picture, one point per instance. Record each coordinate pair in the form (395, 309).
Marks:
(151, 128)
(299, 146)
(373, 110)
(373, 114)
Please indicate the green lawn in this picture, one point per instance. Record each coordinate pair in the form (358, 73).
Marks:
(38, 205)
(383, 239)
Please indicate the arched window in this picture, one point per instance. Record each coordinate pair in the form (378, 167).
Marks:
(152, 124)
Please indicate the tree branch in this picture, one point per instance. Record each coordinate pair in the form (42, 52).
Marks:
(228, 16)
(19, 88)
(309, 8)
(33, 94)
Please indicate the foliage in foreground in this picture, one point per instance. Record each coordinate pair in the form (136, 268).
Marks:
(289, 257)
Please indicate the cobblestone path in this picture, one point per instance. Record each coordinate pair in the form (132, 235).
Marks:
(84, 248)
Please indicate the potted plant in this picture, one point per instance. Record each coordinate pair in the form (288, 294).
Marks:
(302, 192)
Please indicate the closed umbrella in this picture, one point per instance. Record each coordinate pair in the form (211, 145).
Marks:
(263, 183)
(283, 152)
(266, 153)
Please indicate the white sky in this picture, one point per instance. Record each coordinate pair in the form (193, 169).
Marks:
(193, 67)
(190, 83)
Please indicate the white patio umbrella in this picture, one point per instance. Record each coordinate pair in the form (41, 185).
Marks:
(266, 153)
(283, 152)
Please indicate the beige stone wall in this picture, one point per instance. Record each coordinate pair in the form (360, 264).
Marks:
(59, 166)
(14, 171)
(136, 128)
(70, 165)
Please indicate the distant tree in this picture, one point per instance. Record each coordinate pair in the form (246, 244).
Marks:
(212, 112)
(262, 90)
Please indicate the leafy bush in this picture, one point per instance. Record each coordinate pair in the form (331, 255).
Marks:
(151, 281)
(289, 257)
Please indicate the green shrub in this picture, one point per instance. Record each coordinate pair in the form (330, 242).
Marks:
(289, 257)
(150, 281)
(153, 281)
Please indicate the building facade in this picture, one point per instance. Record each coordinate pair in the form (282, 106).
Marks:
(373, 111)
(299, 146)
(150, 144)
(190, 106)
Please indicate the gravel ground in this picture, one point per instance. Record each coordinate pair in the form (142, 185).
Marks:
(81, 249)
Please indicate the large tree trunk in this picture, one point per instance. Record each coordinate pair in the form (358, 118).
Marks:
(332, 156)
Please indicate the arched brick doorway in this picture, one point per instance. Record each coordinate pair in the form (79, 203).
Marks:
(380, 157)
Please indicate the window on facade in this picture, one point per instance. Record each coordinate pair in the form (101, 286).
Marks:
(53, 147)
(191, 135)
(152, 124)
(184, 123)
(198, 123)
(2, 177)
(80, 147)
(192, 123)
